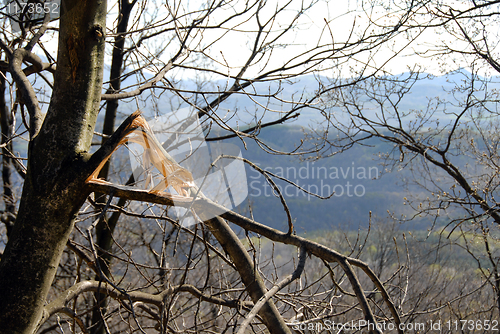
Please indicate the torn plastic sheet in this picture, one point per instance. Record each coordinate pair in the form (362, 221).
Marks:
(191, 163)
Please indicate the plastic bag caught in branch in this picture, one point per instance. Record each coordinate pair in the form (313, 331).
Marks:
(139, 132)
(173, 174)
(191, 162)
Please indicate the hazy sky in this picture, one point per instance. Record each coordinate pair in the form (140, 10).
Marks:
(230, 52)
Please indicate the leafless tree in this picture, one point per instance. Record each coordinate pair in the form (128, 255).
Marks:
(88, 252)
(158, 273)
(445, 146)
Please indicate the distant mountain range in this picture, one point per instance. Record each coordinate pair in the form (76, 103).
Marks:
(354, 177)
(239, 110)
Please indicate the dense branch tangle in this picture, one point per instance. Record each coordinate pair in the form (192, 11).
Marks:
(203, 205)
(447, 147)
(161, 274)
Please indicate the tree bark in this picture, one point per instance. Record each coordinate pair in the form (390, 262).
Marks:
(6, 123)
(54, 187)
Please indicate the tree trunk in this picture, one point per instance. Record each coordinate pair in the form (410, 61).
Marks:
(54, 188)
(105, 227)
(6, 125)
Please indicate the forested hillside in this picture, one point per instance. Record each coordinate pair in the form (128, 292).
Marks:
(356, 178)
